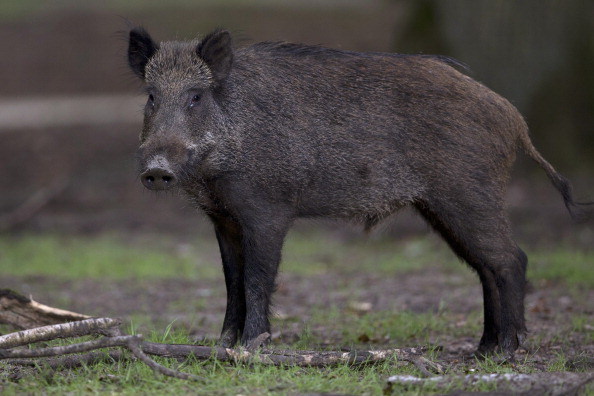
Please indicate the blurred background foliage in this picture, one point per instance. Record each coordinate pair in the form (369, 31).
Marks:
(537, 53)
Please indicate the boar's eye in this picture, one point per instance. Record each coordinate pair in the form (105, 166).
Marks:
(195, 100)
(151, 100)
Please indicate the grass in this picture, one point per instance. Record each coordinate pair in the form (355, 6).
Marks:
(117, 257)
(67, 257)
(311, 254)
(318, 253)
(226, 379)
(563, 264)
(220, 378)
(306, 255)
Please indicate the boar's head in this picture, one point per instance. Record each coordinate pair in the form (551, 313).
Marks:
(184, 81)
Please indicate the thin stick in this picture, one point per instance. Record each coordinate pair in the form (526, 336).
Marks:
(134, 346)
(71, 361)
(63, 330)
(105, 342)
(130, 342)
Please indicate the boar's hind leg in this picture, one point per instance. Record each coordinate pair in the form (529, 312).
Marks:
(229, 238)
(482, 237)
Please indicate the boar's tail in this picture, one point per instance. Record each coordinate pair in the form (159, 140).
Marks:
(579, 211)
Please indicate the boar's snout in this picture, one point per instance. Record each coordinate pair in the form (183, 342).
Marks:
(158, 179)
(158, 174)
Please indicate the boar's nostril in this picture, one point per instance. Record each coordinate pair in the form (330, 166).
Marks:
(157, 179)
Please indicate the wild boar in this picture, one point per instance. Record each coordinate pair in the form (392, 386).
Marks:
(260, 136)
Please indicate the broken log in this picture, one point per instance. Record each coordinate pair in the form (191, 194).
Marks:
(25, 313)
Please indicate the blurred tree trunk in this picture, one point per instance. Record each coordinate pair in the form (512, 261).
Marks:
(539, 54)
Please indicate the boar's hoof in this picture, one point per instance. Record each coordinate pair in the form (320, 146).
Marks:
(228, 339)
(158, 179)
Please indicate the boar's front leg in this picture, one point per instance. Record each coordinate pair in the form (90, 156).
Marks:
(229, 239)
(262, 241)
(251, 252)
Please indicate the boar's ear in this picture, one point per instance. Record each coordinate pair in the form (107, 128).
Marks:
(141, 48)
(216, 50)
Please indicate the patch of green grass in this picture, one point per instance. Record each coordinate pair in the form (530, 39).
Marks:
(72, 257)
(557, 364)
(373, 330)
(574, 267)
(68, 257)
(583, 323)
(400, 328)
(317, 252)
(222, 378)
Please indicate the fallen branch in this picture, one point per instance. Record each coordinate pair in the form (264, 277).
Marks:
(131, 342)
(105, 326)
(181, 351)
(140, 349)
(81, 328)
(135, 346)
(106, 342)
(553, 383)
(293, 358)
(73, 361)
(113, 338)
